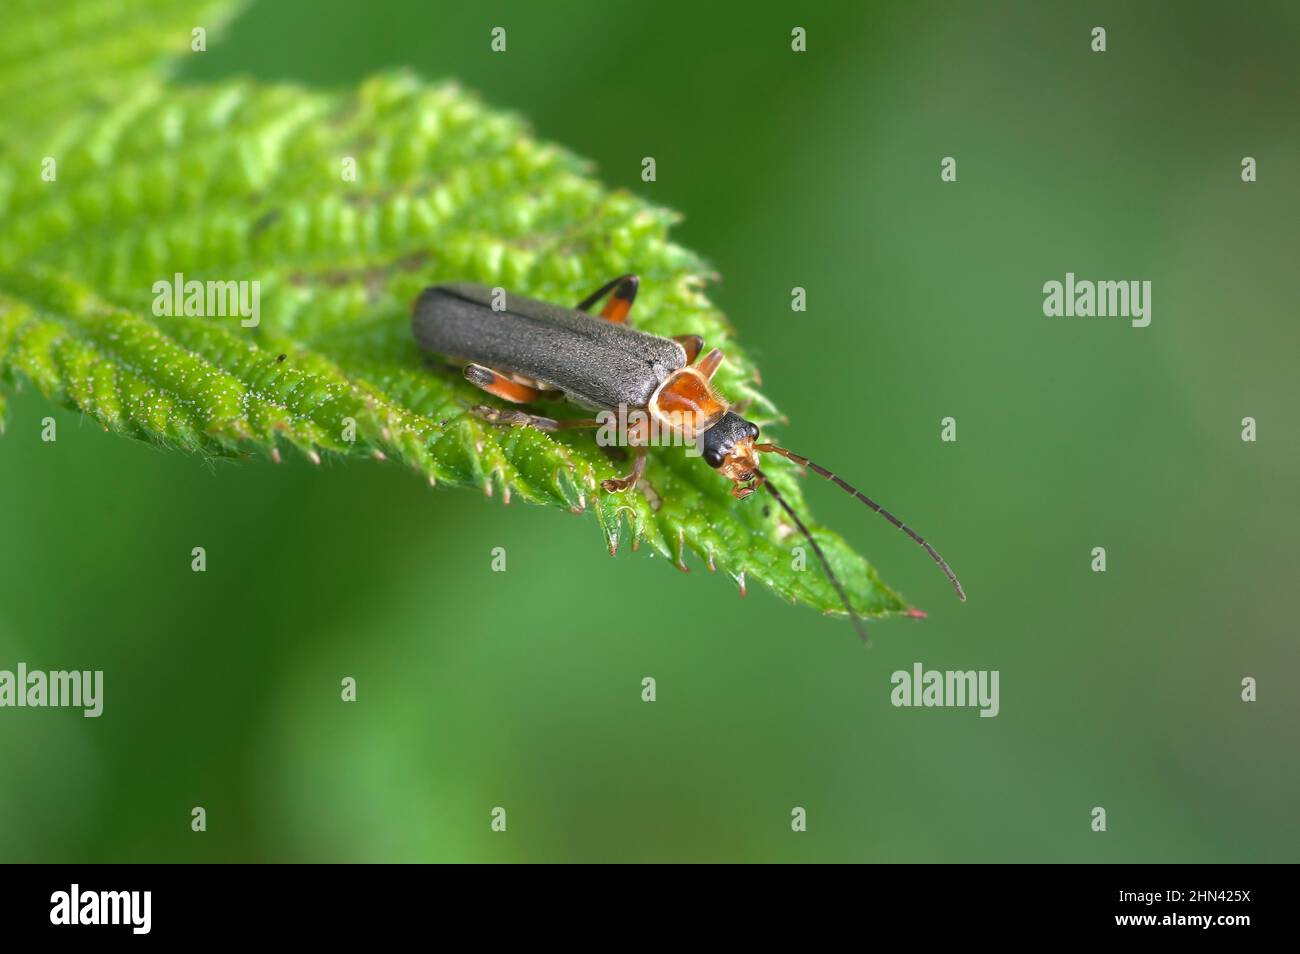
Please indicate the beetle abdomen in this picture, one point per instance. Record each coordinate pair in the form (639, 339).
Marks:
(596, 362)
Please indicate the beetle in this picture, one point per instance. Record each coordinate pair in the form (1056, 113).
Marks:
(522, 350)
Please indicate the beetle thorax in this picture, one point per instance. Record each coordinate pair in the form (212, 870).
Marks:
(686, 404)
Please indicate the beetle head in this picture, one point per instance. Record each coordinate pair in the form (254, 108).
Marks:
(729, 448)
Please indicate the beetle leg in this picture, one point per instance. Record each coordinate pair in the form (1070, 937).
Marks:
(619, 484)
(693, 344)
(708, 366)
(498, 415)
(624, 288)
(497, 384)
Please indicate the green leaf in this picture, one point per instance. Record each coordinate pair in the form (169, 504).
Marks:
(240, 181)
(56, 57)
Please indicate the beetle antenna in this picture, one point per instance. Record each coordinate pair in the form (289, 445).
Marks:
(826, 564)
(849, 488)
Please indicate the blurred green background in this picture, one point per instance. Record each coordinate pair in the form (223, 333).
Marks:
(522, 689)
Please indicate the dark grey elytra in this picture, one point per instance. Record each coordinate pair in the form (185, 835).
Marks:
(599, 364)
